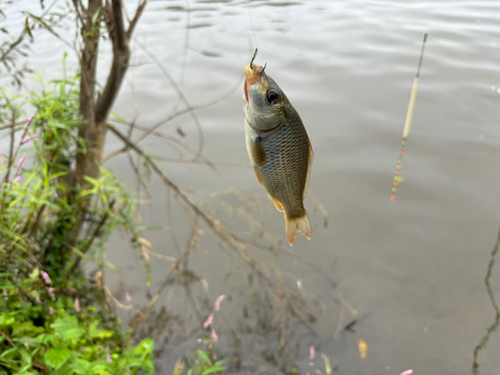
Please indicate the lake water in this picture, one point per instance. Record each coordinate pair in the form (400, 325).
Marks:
(414, 270)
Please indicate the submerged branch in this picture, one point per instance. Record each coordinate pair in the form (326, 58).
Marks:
(484, 341)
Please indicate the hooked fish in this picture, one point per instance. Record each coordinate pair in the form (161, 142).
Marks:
(278, 147)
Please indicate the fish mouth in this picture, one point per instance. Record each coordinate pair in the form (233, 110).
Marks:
(253, 74)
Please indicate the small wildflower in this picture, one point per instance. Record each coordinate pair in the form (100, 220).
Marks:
(16, 180)
(51, 310)
(312, 352)
(209, 321)
(26, 140)
(218, 302)
(46, 277)
(214, 336)
(27, 126)
(311, 364)
(210, 346)
(199, 341)
(20, 165)
(318, 372)
(146, 346)
(27, 346)
(128, 298)
(407, 372)
(51, 293)
(5, 294)
(308, 373)
(108, 358)
(1, 158)
(77, 305)
(214, 357)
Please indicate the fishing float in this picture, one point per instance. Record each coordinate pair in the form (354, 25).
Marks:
(406, 131)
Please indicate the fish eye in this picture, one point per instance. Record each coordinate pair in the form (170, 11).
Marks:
(272, 97)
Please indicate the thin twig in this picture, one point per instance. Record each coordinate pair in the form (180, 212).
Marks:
(179, 92)
(174, 267)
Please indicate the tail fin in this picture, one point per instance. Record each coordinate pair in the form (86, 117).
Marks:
(293, 226)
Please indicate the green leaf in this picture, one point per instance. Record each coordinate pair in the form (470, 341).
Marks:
(27, 27)
(204, 356)
(145, 346)
(6, 353)
(6, 320)
(26, 329)
(56, 357)
(67, 328)
(26, 357)
(66, 369)
(118, 117)
(81, 366)
(101, 334)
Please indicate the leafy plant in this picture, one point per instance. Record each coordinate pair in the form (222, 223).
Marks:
(53, 318)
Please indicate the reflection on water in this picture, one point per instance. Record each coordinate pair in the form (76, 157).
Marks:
(484, 341)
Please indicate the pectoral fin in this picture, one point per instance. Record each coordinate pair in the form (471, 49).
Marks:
(258, 153)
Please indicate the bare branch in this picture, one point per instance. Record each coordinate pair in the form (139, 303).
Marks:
(138, 14)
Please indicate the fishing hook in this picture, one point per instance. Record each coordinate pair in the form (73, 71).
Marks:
(253, 58)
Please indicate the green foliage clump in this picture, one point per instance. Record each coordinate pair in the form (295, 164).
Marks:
(54, 319)
(61, 337)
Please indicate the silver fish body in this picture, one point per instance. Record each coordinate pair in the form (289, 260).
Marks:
(278, 147)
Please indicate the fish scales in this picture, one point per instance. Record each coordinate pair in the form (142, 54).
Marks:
(284, 172)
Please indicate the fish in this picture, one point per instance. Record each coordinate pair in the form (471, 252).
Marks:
(278, 146)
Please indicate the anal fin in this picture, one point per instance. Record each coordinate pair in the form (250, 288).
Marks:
(277, 204)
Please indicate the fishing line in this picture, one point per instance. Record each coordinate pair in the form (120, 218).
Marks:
(406, 131)
(253, 28)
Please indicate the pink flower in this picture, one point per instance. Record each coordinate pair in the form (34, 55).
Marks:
(1, 158)
(51, 310)
(312, 352)
(5, 294)
(218, 302)
(311, 364)
(108, 358)
(407, 372)
(210, 346)
(27, 126)
(16, 180)
(199, 341)
(20, 165)
(209, 321)
(51, 293)
(318, 372)
(26, 345)
(214, 357)
(128, 298)
(26, 140)
(46, 277)
(77, 305)
(214, 336)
